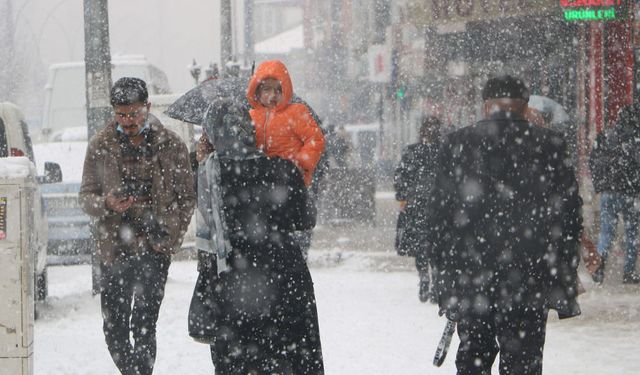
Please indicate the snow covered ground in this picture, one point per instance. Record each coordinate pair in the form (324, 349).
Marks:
(371, 322)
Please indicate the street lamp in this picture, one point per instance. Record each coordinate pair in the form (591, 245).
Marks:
(195, 70)
(232, 68)
(211, 72)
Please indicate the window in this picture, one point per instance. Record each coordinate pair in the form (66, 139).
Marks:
(4, 149)
(27, 140)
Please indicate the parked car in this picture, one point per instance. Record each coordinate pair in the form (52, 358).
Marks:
(68, 225)
(15, 141)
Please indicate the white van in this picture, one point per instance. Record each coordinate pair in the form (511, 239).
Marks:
(65, 100)
(15, 141)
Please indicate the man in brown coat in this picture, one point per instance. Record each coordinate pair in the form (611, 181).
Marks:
(137, 185)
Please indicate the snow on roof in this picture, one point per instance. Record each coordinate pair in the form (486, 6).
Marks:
(282, 43)
(10, 112)
(16, 167)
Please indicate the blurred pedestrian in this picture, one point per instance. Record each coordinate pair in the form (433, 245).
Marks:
(504, 220)
(138, 187)
(339, 145)
(413, 181)
(615, 169)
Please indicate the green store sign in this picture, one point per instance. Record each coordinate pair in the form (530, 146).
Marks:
(431, 13)
(593, 10)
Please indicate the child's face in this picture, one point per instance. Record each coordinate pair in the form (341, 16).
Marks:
(270, 93)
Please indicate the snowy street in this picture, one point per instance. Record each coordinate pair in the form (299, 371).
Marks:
(371, 322)
(481, 145)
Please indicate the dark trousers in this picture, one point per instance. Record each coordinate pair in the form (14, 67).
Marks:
(423, 265)
(518, 335)
(132, 291)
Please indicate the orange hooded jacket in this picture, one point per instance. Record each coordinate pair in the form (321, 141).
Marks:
(288, 131)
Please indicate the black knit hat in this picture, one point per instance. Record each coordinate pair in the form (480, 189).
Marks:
(129, 90)
(505, 86)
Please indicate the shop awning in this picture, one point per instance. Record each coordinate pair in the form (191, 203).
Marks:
(431, 13)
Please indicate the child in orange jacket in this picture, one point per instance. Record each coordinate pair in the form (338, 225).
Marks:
(283, 128)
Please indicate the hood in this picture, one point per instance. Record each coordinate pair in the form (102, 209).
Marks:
(271, 69)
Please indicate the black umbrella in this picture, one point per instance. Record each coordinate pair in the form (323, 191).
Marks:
(220, 106)
(193, 105)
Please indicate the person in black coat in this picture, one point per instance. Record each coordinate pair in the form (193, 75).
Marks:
(504, 220)
(265, 307)
(413, 180)
(256, 306)
(615, 170)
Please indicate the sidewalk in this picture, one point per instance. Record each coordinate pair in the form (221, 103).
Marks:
(360, 245)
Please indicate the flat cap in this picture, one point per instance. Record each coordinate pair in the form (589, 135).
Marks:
(505, 86)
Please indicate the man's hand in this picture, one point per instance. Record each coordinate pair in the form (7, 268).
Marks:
(118, 204)
(160, 248)
(403, 205)
(203, 148)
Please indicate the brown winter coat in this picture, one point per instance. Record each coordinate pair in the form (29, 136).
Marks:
(172, 189)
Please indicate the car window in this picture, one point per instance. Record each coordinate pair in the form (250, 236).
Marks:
(27, 139)
(4, 149)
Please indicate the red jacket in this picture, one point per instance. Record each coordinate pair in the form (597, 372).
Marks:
(289, 130)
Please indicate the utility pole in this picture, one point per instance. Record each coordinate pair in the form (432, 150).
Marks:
(248, 32)
(225, 33)
(8, 69)
(337, 62)
(97, 60)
